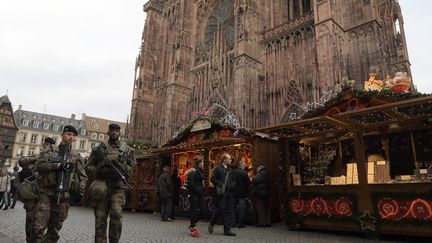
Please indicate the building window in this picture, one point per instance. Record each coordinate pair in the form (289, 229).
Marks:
(33, 138)
(101, 137)
(83, 132)
(32, 150)
(35, 124)
(25, 123)
(46, 126)
(20, 151)
(94, 136)
(92, 145)
(55, 127)
(62, 121)
(23, 137)
(96, 126)
(82, 144)
(43, 138)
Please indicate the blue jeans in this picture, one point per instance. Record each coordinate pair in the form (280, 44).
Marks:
(5, 199)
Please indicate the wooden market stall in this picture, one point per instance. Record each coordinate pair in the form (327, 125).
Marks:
(362, 163)
(209, 139)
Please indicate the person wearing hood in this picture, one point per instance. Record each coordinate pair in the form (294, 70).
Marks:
(261, 184)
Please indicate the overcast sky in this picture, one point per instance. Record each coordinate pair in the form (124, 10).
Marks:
(63, 57)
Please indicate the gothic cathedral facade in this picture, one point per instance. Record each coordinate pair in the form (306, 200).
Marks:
(263, 60)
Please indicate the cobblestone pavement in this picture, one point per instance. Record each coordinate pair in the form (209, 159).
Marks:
(146, 227)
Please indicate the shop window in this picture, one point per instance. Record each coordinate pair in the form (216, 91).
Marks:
(401, 154)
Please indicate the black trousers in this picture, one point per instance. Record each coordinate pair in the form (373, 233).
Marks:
(223, 208)
(240, 209)
(195, 209)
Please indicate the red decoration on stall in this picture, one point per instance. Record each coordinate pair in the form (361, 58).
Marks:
(297, 205)
(318, 206)
(411, 209)
(388, 208)
(343, 207)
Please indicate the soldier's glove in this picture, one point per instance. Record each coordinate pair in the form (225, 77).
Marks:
(68, 167)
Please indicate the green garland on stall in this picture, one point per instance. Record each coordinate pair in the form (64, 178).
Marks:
(215, 126)
(327, 196)
(377, 196)
(363, 96)
(142, 144)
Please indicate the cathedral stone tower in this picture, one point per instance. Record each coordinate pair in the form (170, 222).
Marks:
(263, 60)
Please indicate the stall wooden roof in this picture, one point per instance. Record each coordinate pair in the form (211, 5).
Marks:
(403, 113)
(192, 146)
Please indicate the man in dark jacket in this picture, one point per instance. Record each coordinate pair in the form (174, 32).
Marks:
(194, 183)
(166, 191)
(242, 183)
(224, 185)
(261, 183)
(176, 195)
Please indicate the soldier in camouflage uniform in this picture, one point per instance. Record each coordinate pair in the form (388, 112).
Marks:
(107, 191)
(28, 166)
(53, 205)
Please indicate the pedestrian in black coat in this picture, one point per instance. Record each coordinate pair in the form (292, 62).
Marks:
(166, 193)
(241, 192)
(195, 186)
(224, 185)
(261, 183)
(176, 195)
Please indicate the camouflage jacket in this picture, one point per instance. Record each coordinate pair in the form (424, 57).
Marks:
(119, 152)
(48, 168)
(28, 165)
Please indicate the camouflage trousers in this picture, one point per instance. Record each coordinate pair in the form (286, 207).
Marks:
(49, 215)
(29, 207)
(112, 206)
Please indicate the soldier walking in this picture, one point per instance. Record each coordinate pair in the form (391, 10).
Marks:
(112, 164)
(27, 191)
(55, 169)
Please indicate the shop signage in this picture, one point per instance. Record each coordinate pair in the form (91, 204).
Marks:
(200, 125)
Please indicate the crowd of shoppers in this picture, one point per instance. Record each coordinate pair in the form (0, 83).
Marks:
(232, 190)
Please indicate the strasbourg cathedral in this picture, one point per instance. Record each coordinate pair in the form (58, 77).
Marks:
(262, 60)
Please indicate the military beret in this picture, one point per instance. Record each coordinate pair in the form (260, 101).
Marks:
(70, 128)
(49, 140)
(113, 126)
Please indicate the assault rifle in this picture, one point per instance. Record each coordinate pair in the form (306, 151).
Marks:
(65, 174)
(114, 165)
